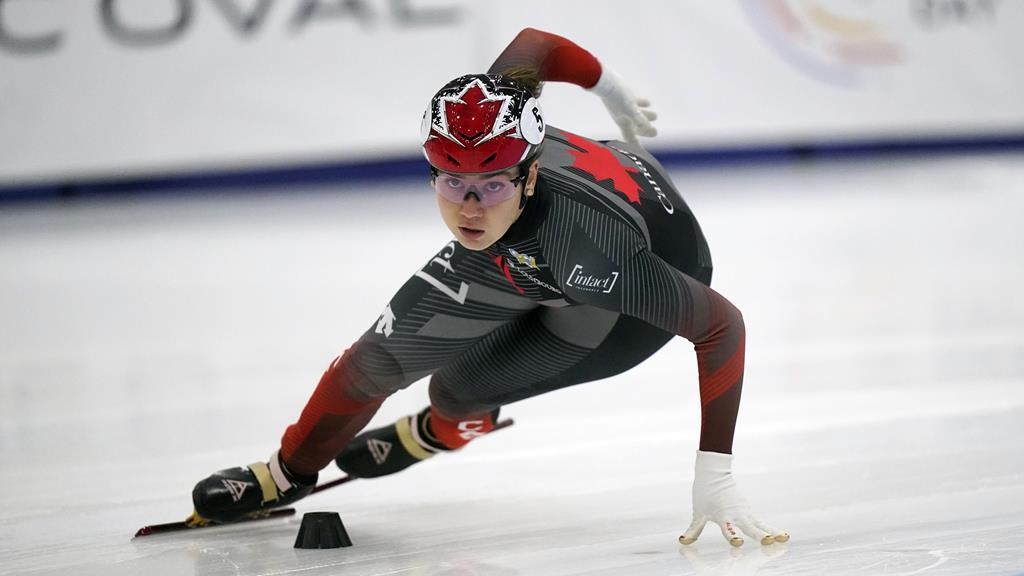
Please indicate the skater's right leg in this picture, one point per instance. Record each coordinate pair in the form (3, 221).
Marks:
(332, 417)
(338, 409)
(425, 328)
(428, 327)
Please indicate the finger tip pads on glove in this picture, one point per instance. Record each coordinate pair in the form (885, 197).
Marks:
(736, 542)
(693, 532)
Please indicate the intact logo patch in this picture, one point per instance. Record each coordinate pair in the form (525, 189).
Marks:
(580, 279)
(379, 449)
(235, 487)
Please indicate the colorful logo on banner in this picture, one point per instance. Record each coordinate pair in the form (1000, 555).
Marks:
(835, 41)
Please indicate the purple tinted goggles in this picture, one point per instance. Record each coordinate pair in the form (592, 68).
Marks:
(489, 190)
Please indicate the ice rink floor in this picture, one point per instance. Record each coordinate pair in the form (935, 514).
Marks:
(149, 341)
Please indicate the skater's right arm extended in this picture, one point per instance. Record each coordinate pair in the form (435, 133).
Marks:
(554, 58)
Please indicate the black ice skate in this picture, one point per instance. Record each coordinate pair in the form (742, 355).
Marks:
(390, 449)
(240, 493)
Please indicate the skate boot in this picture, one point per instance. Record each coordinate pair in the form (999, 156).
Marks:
(236, 493)
(411, 439)
(390, 449)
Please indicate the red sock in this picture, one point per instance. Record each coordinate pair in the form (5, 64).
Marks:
(457, 433)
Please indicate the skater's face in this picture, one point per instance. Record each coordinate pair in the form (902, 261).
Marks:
(479, 209)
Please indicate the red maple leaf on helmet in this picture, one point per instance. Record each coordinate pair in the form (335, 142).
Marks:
(600, 163)
(474, 115)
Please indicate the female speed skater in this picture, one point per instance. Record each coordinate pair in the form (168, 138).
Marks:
(572, 260)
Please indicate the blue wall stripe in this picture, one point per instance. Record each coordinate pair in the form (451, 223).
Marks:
(407, 168)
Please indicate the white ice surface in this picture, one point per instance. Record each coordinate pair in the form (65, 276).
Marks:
(147, 342)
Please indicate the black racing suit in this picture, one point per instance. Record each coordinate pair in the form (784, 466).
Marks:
(603, 267)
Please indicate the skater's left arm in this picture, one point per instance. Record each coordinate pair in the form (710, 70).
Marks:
(648, 288)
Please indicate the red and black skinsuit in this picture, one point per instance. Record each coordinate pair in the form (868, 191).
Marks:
(605, 265)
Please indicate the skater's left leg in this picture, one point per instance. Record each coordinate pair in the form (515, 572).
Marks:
(557, 348)
(542, 350)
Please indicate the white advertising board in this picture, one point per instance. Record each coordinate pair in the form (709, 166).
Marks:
(108, 88)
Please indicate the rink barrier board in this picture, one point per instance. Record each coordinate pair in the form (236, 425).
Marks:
(411, 168)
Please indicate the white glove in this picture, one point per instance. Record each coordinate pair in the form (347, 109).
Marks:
(631, 113)
(717, 499)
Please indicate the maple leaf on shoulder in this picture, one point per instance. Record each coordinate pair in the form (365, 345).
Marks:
(601, 163)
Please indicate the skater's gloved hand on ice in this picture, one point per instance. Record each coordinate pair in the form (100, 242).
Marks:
(717, 499)
(632, 114)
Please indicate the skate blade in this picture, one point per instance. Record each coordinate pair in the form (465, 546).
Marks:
(196, 521)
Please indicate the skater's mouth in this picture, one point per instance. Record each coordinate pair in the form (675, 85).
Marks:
(471, 233)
